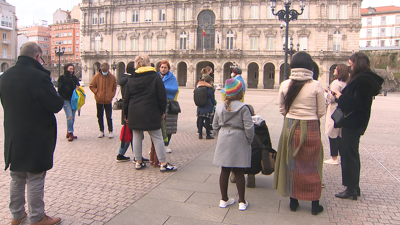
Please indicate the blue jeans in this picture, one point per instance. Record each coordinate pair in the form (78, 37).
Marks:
(70, 116)
(122, 151)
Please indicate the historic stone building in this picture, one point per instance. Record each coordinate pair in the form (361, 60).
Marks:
(236, 32)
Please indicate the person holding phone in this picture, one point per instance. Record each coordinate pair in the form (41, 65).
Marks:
(341, 75)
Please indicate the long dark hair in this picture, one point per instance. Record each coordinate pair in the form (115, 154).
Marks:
(360, 64)
(300, 60)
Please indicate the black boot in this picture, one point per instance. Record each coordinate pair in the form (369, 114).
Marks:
(358, 191)
(349, 192)
(200, 136)
(316, 208)
(294, 203)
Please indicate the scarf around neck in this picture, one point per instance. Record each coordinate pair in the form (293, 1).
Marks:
(301, 74)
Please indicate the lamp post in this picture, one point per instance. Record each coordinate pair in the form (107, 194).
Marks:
(114, 66)
(59, 52)
(291, 51)
(287, 15)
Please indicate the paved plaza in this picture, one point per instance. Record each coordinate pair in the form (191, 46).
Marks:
(87, 186)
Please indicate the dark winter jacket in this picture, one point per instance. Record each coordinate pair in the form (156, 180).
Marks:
(145, 100)
(261, 131)
(30, 129)
(122, 82)
(66, 85)
(209, 106)
(357, 99)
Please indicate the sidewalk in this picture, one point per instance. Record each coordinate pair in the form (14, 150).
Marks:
(191, 196)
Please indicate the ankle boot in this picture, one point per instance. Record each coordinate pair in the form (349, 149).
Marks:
(70, 137)
(349, 192)
(316, 208)
(200, 136)
(67, 135)
(294, 203)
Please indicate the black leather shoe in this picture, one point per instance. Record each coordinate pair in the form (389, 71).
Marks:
(316, 210)
(200, 136)
(209, 137)
(349, 192)
(358, 191)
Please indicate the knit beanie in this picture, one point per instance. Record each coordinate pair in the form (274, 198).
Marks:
(237, 70)
(232, 87)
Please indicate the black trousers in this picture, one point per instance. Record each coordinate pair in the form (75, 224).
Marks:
(100, 114)
(203, 121)
(351, 164)
(335, 145)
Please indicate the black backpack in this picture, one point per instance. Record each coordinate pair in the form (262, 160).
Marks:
(200, 96)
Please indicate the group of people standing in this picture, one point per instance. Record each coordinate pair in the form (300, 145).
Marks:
(298, 169)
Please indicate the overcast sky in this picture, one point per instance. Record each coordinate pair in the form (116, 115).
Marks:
(29, 11)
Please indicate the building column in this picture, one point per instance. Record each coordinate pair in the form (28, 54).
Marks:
(260, 84)
(276, 79)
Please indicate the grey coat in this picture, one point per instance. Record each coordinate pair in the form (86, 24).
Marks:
(235, 134)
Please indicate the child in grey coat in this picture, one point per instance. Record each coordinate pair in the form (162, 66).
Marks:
(234, 124)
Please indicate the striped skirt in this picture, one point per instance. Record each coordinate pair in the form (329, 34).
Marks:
(299, 161)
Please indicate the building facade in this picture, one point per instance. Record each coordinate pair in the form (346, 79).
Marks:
(65, 34)
(41, 36)
(380, 28)
(8, 29)
(244, 33)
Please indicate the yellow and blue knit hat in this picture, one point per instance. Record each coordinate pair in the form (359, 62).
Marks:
(232, 87)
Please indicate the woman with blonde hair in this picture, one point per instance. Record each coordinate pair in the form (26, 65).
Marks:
(341, 74)
(144, 104)
(235, 126)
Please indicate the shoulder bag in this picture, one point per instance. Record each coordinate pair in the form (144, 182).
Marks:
(268, 158)
(338, 117)
(174, 108)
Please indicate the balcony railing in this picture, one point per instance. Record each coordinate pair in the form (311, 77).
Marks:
(6, 41)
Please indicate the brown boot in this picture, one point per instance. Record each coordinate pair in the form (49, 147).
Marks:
(67, 136)
(70, 137)
(47, 220)
(17, 222)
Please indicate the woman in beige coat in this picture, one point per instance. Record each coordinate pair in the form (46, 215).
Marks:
(298, 167)
(341, 74)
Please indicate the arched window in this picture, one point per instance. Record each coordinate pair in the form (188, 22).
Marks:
(182, 40)
(229, 40)
(337, 39)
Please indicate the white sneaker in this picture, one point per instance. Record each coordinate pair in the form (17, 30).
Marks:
(168, 150)
(243, 206)
(332, 161)
(110, 135)
(224, 204)
(101, 134)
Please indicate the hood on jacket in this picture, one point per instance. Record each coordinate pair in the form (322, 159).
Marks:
(144, 69)
(375, 80)
(236, 106)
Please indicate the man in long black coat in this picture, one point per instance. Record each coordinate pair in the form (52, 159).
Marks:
(29, 101)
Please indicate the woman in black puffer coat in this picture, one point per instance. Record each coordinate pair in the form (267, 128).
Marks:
(66, 86)
(355, 101)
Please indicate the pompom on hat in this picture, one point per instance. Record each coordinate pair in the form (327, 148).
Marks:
(233, 87)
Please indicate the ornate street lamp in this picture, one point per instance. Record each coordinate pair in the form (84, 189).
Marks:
(59, 52)
(114, 66)
(287, 15)
(291, 51)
